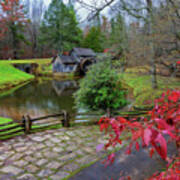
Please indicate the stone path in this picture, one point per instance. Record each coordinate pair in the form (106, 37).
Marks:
(138, 166)
(52, 154)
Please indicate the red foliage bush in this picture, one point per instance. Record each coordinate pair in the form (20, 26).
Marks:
(151, 130)
(11, 13)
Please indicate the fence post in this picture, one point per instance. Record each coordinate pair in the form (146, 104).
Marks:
(65, 121)
(28, 123)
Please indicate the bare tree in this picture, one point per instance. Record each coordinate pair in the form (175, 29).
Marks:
(139, 9)
(36, 9)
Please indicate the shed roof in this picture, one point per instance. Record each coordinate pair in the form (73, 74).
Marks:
(84, 52)
(67, 59)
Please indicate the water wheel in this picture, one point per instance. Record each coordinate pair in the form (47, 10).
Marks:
(84, 65)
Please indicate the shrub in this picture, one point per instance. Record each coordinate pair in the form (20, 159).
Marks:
(100, 89)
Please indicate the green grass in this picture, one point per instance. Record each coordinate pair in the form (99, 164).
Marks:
(26, 61)
(45, 67)
(10, 76)
(4, 121)
(142, 88)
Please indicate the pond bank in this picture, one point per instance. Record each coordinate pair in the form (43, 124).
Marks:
(143, 93)
(11, 77)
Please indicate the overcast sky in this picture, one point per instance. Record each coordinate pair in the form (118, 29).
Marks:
(82, 12)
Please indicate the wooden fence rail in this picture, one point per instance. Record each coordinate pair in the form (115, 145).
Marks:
(29, 124)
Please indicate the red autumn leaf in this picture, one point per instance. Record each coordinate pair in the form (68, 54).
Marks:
(162, 124)
(111, 158)
(128, 151)
(162, 146)
(121, 120)
(178, 62)
(136, 134)
(119, 141)
(151, 152)
(163, 119)
(147, 136)
(174, 96)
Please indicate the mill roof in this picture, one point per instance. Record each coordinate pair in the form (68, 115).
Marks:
(67, 59)
(84, 52)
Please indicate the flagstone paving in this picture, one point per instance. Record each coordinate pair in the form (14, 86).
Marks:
(51, 154)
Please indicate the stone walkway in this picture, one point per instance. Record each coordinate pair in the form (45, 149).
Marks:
(52, 154)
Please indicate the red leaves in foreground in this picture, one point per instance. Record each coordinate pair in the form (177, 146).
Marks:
(163, 120)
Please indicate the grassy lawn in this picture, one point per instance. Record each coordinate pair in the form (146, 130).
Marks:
(26, 61)
(142, 91)
(10, 76)
(44, 64)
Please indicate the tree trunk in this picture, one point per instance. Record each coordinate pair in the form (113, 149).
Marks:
(151, 44)
(108, 112)
(14, 40)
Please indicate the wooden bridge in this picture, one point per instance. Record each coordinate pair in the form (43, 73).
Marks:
(30, 68)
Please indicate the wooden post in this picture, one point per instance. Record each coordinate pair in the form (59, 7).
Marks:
(65, 121)
(24, 123)
(28, 124)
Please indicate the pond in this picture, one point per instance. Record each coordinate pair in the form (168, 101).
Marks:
(39, 99)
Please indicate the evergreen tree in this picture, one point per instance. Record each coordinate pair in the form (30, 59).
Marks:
(93, 39)
(60, 27)
(101, 89)
(118, 35)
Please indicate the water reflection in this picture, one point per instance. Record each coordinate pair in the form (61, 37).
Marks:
(38, 99)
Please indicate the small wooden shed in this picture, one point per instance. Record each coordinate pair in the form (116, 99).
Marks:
(64, 64)
(78, 60)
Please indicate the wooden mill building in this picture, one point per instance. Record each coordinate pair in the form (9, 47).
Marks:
(78, 60)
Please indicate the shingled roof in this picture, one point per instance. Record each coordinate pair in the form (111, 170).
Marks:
(67, 59)
(84, 52)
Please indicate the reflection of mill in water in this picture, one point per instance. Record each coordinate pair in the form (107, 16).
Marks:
(64, 86)
(39, 99)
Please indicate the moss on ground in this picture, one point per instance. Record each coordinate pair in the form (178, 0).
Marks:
(138, 69)
(143, 92)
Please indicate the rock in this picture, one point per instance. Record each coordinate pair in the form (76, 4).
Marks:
(44, 173)
(54, 165)
(31, 168)
(20, 163)
(59, 175)
(38, 138)
(26, 177)
(12, 170)
(41, 162)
